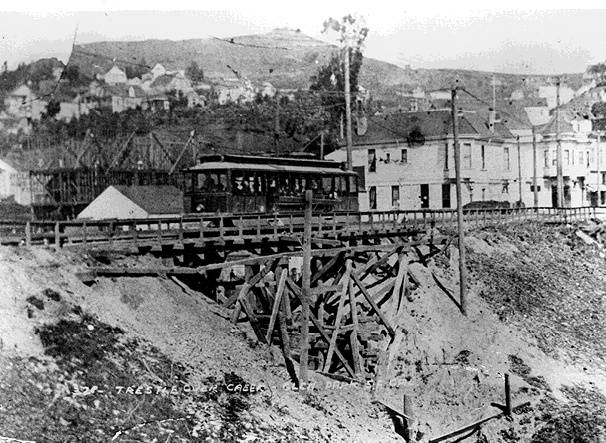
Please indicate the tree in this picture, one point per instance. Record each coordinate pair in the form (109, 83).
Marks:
(72, 73)
(598, 70)
(194, 72)
(329, 82)
(136, 70)
(52, 108)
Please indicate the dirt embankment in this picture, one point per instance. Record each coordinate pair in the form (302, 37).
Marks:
(536, 303)
(536, 311)
(70, 353)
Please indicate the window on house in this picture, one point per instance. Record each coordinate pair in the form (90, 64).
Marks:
(587, 157)
(506, 158)
(372, 197)
(405, 156)
(387, 157)
(466, 155)
(566, 157)
(483, 152)
(554, 157)
(372, 160)
(581, 158)
(483, 193)
(395, 196)
(446, 155)
(538, 188)
(546, 157)
(446, 195)
(604, 178)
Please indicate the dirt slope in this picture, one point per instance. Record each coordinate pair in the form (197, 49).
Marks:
(536, 311)
(165, 338)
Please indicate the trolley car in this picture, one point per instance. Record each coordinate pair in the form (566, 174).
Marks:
(249, 184)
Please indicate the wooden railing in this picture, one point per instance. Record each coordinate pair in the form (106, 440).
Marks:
(213, 227)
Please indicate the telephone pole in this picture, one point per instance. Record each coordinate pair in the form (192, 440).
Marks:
(534, 167)
(597, 170)
(559, 172)
(519, 172)
(461, 240)
(348, 110)
(277, 124)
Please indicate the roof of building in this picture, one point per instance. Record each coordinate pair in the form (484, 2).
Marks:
(162, 81)
(154, 199)
(115, 70)
(564, 121)
(22, 90)
(122, 90)
(405, 126)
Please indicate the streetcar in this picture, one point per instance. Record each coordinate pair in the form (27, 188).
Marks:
(221, 183)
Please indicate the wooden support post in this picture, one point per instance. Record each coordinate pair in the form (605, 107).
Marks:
(402, 273)
(252, 318)
(236, 314)
(353, 336)
(202, 229)
(374, 306)
(285, 340)
(57, 236)
(277, 304)
(409, 415)
(507, 396)
(339, 318)
(306, 287)
(28, 234)
(460, 228)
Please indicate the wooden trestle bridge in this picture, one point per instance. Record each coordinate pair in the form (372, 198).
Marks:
(358, 264)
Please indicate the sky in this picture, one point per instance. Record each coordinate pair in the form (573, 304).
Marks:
(467, 34)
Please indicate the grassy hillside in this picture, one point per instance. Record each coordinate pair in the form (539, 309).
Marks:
(292, 58)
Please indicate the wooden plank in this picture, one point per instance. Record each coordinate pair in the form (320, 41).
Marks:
(327, 267)
(320, 290)
(306, 287)
(322, 331)
(254, 322)
(277, 304)
(370, 267)
(400, 279)
(353, 336)
(338, 319)
(236, 314)
(374, 306)
(285, 342)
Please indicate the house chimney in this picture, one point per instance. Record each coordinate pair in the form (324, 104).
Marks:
(492, 119)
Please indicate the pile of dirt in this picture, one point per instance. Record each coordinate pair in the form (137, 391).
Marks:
(70, 352)
(533, 290)
(547, 282)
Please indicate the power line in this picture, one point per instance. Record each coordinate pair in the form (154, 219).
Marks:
(500, 110)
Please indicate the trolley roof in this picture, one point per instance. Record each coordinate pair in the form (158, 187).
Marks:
(217, 162)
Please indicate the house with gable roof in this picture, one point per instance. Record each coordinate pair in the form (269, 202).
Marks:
(126, 202)
(406, 161)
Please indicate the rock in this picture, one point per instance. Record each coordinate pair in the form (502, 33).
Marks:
(35, 301)
(52, 294)
(586, 238)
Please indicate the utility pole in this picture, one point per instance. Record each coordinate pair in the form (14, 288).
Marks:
(461, 242)
(559, 172)
(534, 166)
(597, 170)
(322, 145)
(519, 172)
(306, 288)
(277, 124)
(348, 111)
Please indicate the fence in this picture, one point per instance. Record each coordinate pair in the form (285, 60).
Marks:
(205, 227)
